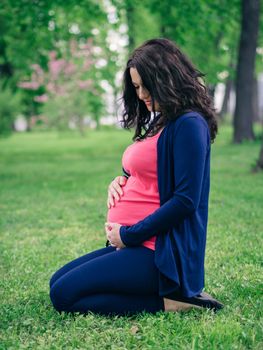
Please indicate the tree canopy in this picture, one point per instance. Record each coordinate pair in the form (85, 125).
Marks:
(207, 31)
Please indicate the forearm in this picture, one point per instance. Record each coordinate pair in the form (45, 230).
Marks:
(170, 214)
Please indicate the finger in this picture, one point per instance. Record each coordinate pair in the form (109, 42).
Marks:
(118, 189)
(108, 202)
(109, 224)
(123, 180)
(108, 227)
(113, 194)
(110, 198)
(110, 241)
(108, 230)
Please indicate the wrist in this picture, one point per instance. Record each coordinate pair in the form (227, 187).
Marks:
(122, 235)
(126, 237)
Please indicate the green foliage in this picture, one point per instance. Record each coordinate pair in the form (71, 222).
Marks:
(29, 29)
(62, 111)
(53, 209)
(10, 107)
(206, 30)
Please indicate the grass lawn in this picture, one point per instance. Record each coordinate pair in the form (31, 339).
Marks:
(52, 209)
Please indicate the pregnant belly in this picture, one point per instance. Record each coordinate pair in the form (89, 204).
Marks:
(130, 212)
(135, 204)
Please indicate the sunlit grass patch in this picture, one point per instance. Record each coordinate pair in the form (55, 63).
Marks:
(53, 208)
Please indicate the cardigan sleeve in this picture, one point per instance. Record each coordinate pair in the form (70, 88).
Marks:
(191, 142)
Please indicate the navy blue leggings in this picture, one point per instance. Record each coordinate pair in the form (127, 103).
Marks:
(108, 281)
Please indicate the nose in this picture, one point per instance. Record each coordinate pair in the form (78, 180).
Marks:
(143, 93)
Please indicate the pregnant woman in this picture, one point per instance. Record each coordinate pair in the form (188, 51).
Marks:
(157, 217)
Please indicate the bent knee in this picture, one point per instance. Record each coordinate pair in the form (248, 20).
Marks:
(52, 280)
(59, 300)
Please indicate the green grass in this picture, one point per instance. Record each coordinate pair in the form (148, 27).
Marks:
(52, 209)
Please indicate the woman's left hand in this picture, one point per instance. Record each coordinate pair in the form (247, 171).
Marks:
(113, 234)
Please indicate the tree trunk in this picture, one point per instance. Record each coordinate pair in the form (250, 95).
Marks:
(225, 105)
(255, 102)
(115, 102)
(243, 126)
(211, 90)
(259, 165)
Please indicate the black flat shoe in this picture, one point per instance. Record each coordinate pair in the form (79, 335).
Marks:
(202, 300)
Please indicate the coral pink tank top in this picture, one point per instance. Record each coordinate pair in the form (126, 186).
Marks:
(140, 194)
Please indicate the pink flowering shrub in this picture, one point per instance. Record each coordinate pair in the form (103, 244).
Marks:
(67, 86)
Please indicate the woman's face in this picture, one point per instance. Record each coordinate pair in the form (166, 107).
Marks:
(142, 93)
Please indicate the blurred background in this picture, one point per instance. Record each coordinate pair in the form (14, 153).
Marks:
(61, 62)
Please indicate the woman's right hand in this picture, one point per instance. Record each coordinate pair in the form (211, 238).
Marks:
(115, 190)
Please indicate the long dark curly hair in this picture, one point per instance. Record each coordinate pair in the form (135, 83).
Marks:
(172, 81)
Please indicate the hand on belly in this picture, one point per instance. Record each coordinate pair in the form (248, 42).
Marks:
(113, 234)
(115, 190)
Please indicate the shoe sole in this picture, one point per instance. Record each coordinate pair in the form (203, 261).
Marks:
(177, 306)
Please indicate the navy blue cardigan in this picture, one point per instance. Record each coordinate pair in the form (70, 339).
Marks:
(183, 168)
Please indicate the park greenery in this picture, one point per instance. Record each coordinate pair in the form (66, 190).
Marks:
(60, 61)
(54, 187)
(66, 89)
(210, 32)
